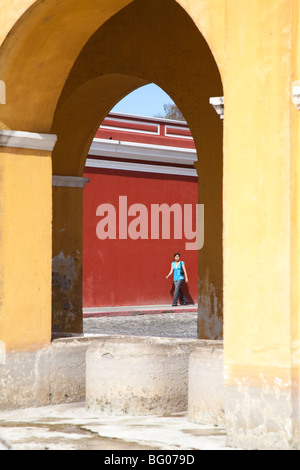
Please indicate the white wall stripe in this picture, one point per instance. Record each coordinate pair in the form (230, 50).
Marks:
(141, 167)
(177, 136)
(138, 151)
(129, 129)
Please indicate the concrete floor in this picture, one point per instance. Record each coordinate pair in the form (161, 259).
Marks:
(71, 427)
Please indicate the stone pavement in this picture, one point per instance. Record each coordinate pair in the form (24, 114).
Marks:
(137, 310)
(180, 323)
(72, 427)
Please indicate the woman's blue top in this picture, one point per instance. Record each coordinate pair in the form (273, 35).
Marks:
(177, 275)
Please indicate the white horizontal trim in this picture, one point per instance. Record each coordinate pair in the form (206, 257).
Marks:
(178, 136)
(138, 151)
(146, 118)
(69, 181)
(128, 129)
(126, 166)
(27, 140)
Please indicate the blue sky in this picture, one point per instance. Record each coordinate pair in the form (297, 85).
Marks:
(145, 101)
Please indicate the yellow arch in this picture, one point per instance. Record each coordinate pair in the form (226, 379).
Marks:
(145, 42)
(43, 42)
(45, 64)
(65, 64)
(149, 42)
(38, 52)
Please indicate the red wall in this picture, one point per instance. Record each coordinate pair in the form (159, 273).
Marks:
(132, 272)
(129, 272)
(144, 130)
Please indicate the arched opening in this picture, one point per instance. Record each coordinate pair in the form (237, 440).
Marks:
(143, 43)
(139, 208)
(55, 86)
(67, 69)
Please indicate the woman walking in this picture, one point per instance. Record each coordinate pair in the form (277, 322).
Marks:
(180, 274)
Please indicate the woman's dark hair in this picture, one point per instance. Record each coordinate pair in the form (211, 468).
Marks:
(176, 254)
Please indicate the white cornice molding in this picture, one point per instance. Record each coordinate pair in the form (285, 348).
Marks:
(296, 95)
(69, 181)
(218, 104)
(141, 167)
(139, 151)
(27, 140)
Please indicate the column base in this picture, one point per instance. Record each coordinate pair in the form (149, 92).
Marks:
(138, 375)
(262, 410)
(206, 386)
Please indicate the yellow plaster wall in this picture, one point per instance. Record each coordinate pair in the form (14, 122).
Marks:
(25, 248)
(257, 179)
(210, 18)
(11, 12)
(40, 49)
(254, 45)
(295, 200)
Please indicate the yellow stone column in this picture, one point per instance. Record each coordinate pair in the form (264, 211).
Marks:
(210, 256)
(67, 254)
(295, 220)
(25, 239)
(260, 325)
